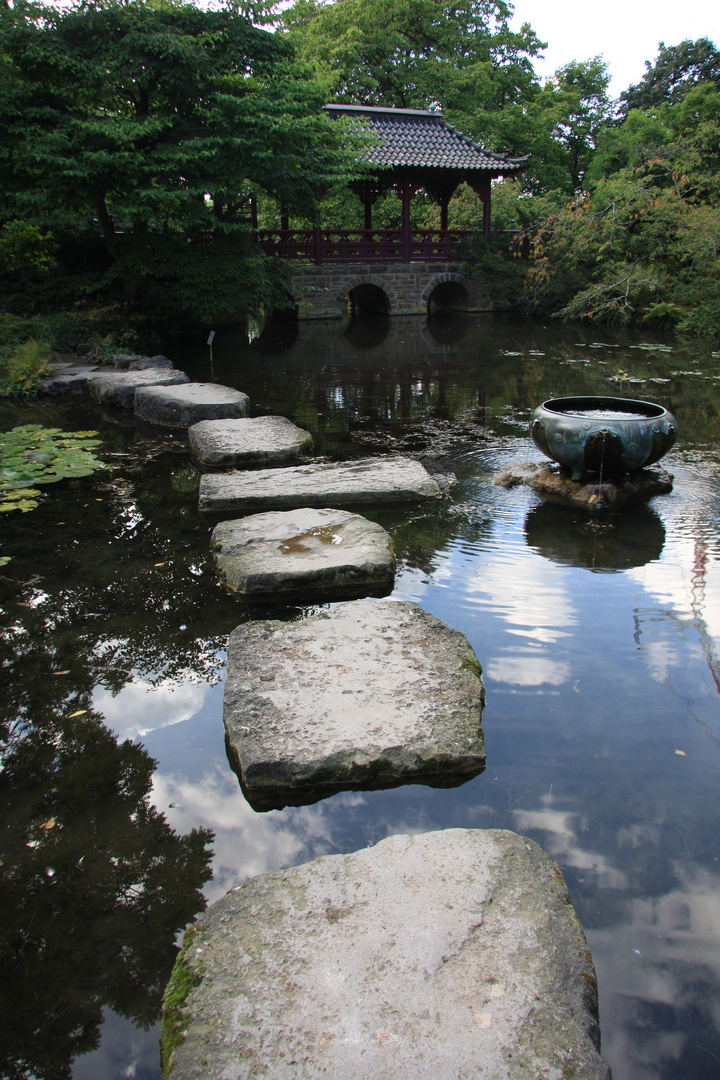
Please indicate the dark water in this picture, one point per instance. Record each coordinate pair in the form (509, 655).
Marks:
(599, 640)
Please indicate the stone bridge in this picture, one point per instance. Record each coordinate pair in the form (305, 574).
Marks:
(320, 292)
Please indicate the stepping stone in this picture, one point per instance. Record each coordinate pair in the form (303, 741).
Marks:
(308, 554)
(259, 440)
(452, 954)
(368, 483)
(117, 388)
(370, 694)
(70, 379)
(183, 406)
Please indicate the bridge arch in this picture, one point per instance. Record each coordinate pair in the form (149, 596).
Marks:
(370, 293)
(445, 291)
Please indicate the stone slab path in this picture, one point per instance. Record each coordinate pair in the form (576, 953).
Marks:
(260, 440)
(370, 482)
(367, 694)
(117, 388)
(452, 955)
(310, 555)
(184, 406)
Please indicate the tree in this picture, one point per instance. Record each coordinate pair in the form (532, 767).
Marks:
(560, 126)
(416, 53)
(642, 244)
(677, 69)
(157, 123)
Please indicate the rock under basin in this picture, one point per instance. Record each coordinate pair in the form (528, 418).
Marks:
(304, 554)
(369, 482)
(183, 406)
(369, 694)
(446, 955)
(250, 440)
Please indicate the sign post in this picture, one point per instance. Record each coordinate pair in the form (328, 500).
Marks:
(211, 335)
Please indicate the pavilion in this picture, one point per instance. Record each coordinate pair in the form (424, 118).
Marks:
(410, 150)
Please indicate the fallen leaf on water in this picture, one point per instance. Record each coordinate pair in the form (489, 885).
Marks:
(49, 824)
(159, 564)
(681, 753)
(78, 713)
(62, 672)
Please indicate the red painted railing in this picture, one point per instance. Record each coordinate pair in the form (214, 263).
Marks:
(360, 245)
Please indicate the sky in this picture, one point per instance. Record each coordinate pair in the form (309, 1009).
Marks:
(625, 32)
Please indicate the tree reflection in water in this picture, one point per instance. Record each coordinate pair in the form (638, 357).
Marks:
(95, 886)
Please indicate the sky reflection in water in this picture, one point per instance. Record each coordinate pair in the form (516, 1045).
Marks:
(599, 644)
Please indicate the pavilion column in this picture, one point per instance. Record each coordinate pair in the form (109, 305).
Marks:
(482, 188)
(367, 205)
(406, 189)
(253, 213)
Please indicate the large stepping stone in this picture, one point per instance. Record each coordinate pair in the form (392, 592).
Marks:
(183, 406)
(304, 554)
(448, 955)
(117, 389)
(70, 379)
(258, 440)
(371, 482)
(370, 694)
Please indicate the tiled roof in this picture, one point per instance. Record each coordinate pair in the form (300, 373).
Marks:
(417, 139)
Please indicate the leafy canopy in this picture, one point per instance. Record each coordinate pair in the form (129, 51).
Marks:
(415, 53)
(157, 123)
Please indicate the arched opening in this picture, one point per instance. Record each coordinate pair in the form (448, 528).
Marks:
(448, 296)
(367, 299)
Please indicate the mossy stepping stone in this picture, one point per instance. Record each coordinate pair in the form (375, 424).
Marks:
(305, 555)
(249, 441)
(183, 406)
(386, 481)
(372, 693)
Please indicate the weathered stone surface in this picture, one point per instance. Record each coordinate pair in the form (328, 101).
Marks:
(143, 362)
(116, 389)
(258, 440)
(69, 379)
(184, 406)
(368, 694)
(551, 482)
(371, 482)
(452, 955)
(304, 554)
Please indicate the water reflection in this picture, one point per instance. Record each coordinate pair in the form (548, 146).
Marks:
(604, 543)
(95, 886)
(602, 722)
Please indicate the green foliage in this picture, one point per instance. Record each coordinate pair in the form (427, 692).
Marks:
(414, 55)
(23, 370)
(158, 123)
(32, 454)
(642, 244)
(23, 245)
(677, 69)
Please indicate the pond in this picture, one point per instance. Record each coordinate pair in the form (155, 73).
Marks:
(599, 637)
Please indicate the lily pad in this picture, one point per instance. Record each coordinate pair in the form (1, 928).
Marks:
(33, 454)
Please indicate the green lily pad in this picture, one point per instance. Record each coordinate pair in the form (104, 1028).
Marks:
(32, 454)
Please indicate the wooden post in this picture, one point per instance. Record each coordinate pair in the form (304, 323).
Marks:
(486, 208)
(253, 213)
(406, 192)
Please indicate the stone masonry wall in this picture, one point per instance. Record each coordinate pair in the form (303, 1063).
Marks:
(319, 291)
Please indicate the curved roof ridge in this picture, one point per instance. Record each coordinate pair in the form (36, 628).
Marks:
(406, 142)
